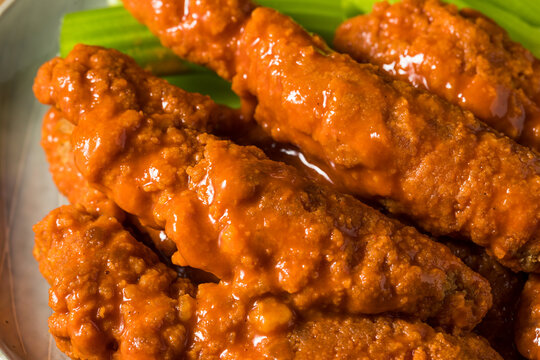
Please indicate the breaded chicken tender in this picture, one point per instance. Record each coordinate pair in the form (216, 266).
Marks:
(528, 319)
(231, 211)
(111, 296)
(484, 72)
(113, 299)
(386, 141)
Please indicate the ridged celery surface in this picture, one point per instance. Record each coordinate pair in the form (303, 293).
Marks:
(114, 27)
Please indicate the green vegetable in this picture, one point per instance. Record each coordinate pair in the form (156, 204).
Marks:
(519, 30)
(115, 27)
(527, 10)
(207, 83)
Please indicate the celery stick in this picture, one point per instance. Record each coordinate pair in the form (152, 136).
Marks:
(519, 30)
(115, 28)
(527, 10)
(320, 24)
(357, 7)
(317, 16)
(207, 84)
(321, 7)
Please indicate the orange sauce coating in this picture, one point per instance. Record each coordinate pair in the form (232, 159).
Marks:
(463, 57)
(385, 141)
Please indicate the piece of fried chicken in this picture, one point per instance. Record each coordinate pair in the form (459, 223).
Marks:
(505, 285)
(109, 293)
(528, 319)
(113, 299)
(55, 140)
(236, 214)
(387, 141)
(485, 71)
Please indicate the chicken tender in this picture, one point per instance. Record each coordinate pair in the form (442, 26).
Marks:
(55, 140)
(252, 222)
(382, 338)
(528, 319)
(111, 296)
(275, 331)
(113, 299)
(485, 72)
(506, 286)
(385, 140)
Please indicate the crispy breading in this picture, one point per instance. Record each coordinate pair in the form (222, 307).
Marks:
(113, 299)
(385, 140)
(110, 294)
(461, 56)
(233, 212)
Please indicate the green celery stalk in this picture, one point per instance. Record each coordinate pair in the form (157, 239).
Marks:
(114, 27)
(527, 10)
(519, 30)
(206, 83)
(321, 24)
(321, 7)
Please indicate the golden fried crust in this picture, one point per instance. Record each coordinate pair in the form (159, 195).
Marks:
(229, 327)
(506, 286)
(485, 72)
(382, 338)
(253, 222)
(528, 319)
(55, 140)
(386, 141)
(112, 298)
(223, 23)
(110, 295)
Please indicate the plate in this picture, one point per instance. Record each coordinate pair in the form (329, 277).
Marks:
(28, 37)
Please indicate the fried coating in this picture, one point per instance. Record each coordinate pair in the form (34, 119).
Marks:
(112, 299)
(386, 141)
(485, 71)
(231, 211)
(55, 140)
(528, 319)
(382, 338)
(506, 286)
(269, 328)
(111, 296)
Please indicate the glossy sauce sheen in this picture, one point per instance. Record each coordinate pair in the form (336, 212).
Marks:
(485, 72)
(505, 285)
(113, 299)
(384, 140)
(528, 319)
(56, 141)
(109, 293)
(229, 208)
